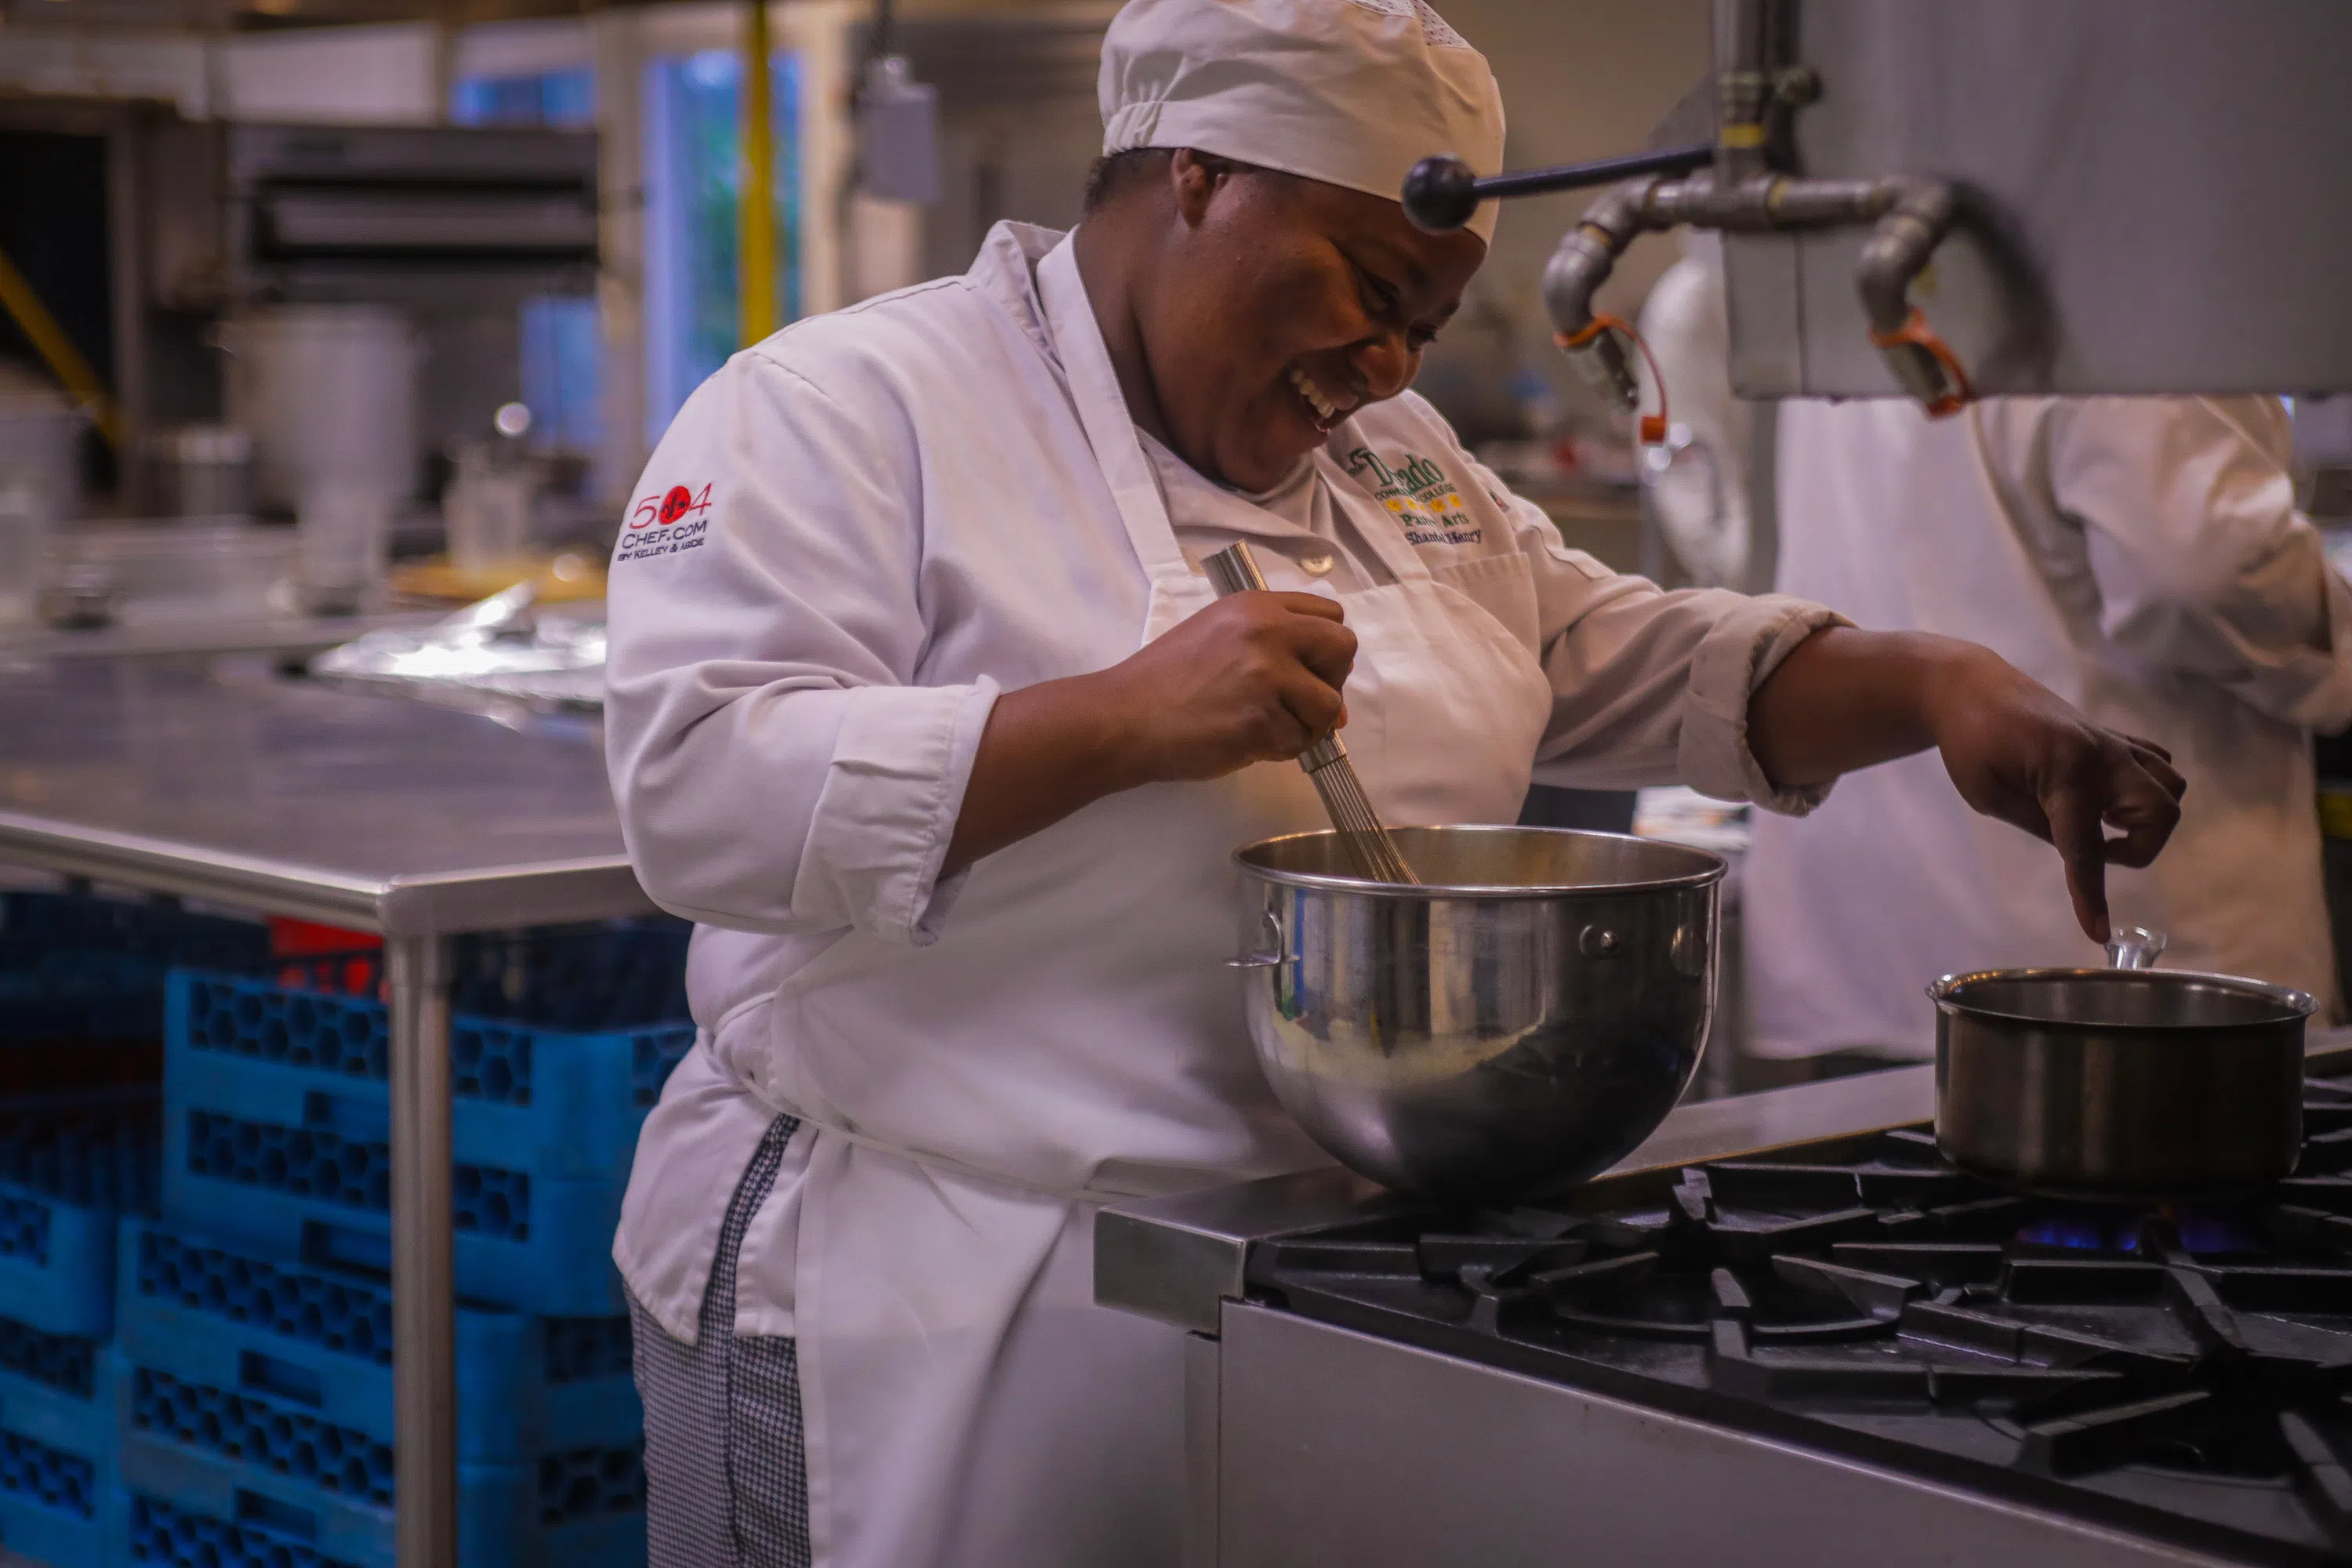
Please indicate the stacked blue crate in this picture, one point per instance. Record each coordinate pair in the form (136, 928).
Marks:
(278, 1129)
(59, 1496)
(255, 1404)
(70, 1166)
(255, 1393)
(90, 969)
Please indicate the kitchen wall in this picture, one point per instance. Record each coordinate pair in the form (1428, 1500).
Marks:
(358, 75)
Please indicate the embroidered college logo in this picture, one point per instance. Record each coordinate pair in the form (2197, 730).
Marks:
(1419, 496)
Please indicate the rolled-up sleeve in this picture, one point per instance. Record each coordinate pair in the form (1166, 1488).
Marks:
(1651, 687)
(775, 767)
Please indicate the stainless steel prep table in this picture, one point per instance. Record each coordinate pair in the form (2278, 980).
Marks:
(225, 782)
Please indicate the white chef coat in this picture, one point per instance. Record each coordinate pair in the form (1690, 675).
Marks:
(857, 534)
(2143, 558)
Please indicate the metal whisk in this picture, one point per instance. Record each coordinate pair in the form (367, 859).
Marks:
(1234, 571)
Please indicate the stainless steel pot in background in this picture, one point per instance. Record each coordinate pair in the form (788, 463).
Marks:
(201, 471)
(328, 393)
(2123, 1083)
(1515, 1024)
(41, 446)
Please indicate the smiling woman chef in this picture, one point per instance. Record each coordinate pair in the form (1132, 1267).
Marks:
(919, 705)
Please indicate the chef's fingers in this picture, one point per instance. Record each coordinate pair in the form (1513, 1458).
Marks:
(1311, 702)
(1314, 604)
(2145, 803)
(2073, 803)
(1324, 647)
(2157, 762)
(1278, 734)
(2142, 743)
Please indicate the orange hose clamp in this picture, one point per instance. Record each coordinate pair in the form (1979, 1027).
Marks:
(1915, 332)
(1649, 429)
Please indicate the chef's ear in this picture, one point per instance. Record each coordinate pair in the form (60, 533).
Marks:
(1196, 177)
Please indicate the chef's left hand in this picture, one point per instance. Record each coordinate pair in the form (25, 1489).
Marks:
(2017, 751)
(1848, 698)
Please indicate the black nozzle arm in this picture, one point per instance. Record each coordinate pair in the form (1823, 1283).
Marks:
(1441, 192)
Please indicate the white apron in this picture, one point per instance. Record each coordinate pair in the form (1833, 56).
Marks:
(965, 1402)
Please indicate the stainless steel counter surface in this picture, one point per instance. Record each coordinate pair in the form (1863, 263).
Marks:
(219, 780)
(1174, 1258)
(286, 633)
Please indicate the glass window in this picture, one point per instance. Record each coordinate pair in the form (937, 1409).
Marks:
(545, 97)
(562, 370)
(692, 117)
(562, 341)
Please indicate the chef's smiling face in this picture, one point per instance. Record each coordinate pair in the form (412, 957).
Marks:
(1265, 309)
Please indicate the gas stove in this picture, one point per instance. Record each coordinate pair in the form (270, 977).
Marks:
(1761, 1356)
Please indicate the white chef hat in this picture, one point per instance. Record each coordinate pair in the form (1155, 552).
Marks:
(1352, 92)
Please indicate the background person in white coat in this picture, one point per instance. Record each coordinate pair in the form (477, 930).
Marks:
(918, 704)
(1708, 484)
(2143, 558)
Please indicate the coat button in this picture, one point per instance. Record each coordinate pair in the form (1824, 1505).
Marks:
(1315, 565)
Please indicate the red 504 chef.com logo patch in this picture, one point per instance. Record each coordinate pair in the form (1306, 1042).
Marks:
(665, 523)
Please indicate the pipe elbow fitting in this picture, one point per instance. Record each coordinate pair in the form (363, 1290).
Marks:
(1921, 212)
(1900, 243)
(1571, 278)
(1588, 254)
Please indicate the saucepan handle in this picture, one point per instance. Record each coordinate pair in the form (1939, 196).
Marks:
(2135, 947)
(1274, 956)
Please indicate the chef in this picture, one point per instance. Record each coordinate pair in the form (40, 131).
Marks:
(920, 706)
(2142, 555)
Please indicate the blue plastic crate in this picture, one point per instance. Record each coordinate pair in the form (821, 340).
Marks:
(70, 1166)
(559, 1044)
(57, 1447)
(533, 1244)
(321, 1338)
(220, 1477)
(86, 968)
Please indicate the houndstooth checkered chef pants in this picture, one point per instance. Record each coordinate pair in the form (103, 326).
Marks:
(726, 1465)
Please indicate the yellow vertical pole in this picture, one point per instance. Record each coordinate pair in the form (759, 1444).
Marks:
(756, 246)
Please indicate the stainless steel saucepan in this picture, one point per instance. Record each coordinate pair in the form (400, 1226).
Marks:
(1517, 1022)
(2127, 1082)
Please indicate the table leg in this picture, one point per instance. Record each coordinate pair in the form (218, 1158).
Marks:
(423, 1284)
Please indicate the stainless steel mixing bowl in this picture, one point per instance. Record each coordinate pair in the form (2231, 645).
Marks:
(1515, 1023)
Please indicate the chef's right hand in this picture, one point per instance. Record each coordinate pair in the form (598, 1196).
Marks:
(1255, 677)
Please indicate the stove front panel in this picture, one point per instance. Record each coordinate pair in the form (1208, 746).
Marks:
(1338, 1447)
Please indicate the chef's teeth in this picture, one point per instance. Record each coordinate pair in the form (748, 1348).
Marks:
(1322, 406)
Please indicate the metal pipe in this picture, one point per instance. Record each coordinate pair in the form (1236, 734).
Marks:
(1916, 220)
(423, 1275)
(1743, 85)
(756, 217)
(1920, 214)
(1587, 255)
(1912, 214)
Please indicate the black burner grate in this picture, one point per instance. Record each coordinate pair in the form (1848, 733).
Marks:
(2186, 1368)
